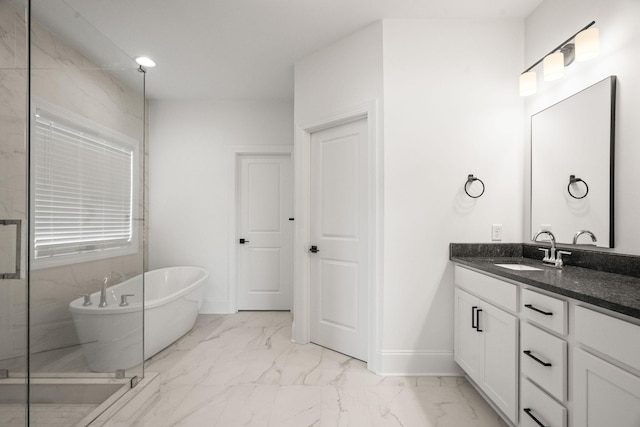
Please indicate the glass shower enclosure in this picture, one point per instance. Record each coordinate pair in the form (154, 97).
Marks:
(72, 246)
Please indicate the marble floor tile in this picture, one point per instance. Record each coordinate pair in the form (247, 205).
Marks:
(249, 405)
(186, 405)
(297, 405)
(44, 415)
(346, 406)
(243, 370)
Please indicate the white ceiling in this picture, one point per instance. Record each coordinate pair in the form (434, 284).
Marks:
(245, 49)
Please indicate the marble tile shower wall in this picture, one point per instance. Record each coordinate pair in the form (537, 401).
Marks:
(63, 77)
(13, 89)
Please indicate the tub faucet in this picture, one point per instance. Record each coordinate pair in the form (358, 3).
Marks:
(587, 232)
(105, 283)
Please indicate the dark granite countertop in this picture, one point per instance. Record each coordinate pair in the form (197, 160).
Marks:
(613, 291)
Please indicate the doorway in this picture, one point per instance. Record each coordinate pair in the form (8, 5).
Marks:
(339, 236)
(264, 243)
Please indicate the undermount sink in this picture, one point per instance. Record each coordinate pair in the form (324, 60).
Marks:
(519, 267)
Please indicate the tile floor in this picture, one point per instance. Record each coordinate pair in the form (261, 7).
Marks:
(44, 415)
(243, 370)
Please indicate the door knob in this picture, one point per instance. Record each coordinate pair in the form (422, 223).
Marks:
(243, 241)
(314, 249)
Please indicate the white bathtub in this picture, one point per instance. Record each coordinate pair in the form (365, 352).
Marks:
(111, 336)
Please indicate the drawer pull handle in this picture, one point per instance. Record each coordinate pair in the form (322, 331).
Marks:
(528, 411)
(543, 363)
(546, 313)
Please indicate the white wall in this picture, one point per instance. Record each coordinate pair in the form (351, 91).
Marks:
(447, 112)
(451, 108)
(550, 24)
(190, 180)
(339, 76)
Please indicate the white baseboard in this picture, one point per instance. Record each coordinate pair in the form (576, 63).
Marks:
(215, 306)
(417, 363)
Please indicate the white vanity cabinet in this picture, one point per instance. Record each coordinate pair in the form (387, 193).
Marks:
(578, 365)
(486, 338)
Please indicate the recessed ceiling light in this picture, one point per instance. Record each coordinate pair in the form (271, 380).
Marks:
(145, 61)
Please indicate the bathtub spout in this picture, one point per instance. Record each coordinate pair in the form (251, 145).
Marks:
(105, 283)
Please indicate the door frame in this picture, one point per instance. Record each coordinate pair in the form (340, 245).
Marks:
(301, 328)
(236, 153)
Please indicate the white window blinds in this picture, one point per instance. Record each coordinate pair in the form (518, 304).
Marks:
(83, 188)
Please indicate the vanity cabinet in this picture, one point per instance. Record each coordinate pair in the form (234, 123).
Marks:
(577, 365)
(486, 342)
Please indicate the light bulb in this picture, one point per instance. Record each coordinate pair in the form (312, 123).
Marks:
(145, 61)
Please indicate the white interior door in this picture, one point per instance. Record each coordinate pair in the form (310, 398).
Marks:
(265, 240)
(339, 229)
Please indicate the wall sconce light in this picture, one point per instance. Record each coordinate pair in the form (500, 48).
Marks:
(582, 46)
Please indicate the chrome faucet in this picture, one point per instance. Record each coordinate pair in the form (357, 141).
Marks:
(587, 232)
(105, 283)
(551, 256)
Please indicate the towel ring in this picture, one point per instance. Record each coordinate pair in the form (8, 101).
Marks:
(573, 180)
(470, 180)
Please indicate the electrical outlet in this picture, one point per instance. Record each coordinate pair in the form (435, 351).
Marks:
(496, 232)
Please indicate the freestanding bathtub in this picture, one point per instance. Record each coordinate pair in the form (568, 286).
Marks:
(111, 336)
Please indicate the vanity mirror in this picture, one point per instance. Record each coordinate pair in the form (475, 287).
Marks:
(572, 163)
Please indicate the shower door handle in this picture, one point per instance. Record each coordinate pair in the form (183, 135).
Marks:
(18, 224)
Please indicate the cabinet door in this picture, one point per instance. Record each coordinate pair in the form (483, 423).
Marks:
(500, 358)
(605, 395)
(468, 341)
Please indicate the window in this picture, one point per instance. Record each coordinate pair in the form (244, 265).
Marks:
(84, 189)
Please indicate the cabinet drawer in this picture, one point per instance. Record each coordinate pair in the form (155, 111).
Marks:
(537, 404)
(545, 311)
(543, 358)
(495, 291)
(609, 335)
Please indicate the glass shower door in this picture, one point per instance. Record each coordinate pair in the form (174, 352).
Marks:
(86, 228)
(72, 175)
(13, 218)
